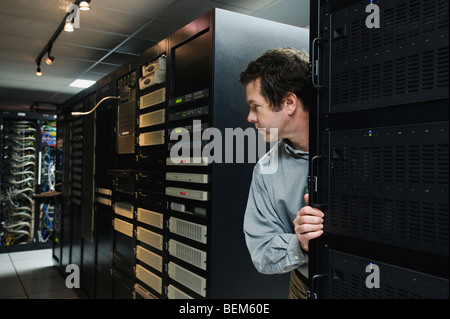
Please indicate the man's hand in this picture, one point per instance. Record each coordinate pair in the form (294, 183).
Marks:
(308, 224)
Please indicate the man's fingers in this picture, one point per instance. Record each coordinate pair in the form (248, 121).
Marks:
(312, 235)
(308, 210)
(306, 197)
(307, 228)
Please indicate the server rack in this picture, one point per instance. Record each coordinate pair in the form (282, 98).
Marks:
(76, 243)
(379, 149)
(26, 169)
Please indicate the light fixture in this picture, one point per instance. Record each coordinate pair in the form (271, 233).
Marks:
(50, 58)
(84, 5)
(69, 26)
(82, 83)
(38, 71)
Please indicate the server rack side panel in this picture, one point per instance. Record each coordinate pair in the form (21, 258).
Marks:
(400, 193)
(239, 39)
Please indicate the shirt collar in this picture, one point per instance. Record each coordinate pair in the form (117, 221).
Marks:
(293, 152)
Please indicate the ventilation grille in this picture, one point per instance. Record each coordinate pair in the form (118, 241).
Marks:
(187, 278)
(175, 293)
(150, 238)
(150, 279)
(153, 98)
(153, 118)
(188, 229)
(349, 281)
(391, 185)
(404, 61)
(150, 218)
(151, 138)
(422, 226)
(187, 253)
(123, 227)
(399, 21)
(124, 209)
(149, 258)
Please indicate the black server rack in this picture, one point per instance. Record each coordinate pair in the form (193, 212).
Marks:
(379, 149)
(76, 244)
(203, 249)
(105, 159)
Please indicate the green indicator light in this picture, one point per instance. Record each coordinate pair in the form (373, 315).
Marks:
(427, 191)
(399, 133)
(178, 100)
(426, 131)
(178, 130)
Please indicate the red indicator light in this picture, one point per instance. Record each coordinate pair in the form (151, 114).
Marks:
(183, 161)
(183, 193)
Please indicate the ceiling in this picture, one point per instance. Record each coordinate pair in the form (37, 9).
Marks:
(110, 35)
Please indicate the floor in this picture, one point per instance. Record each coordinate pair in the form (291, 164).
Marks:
(31, 275)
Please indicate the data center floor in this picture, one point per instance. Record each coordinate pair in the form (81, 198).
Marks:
(31, 275)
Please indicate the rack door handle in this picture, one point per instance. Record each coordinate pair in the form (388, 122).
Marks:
(315, 64)
(313, 182)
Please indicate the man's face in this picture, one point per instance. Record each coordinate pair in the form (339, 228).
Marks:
(261, 114)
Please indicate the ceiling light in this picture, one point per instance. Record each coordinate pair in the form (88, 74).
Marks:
(82, 83)
(38, 71)
(49, 60)
(68, 27)
(84, 6)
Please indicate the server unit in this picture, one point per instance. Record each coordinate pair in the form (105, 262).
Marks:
(379, 149)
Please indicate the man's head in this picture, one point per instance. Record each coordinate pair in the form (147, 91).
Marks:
(281, 71)
(280, 94)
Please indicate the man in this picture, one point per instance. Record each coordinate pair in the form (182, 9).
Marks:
(278, 224)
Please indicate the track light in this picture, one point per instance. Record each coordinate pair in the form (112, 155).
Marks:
(84, 6)
(38, 71)
(69, 26)
(50, 58)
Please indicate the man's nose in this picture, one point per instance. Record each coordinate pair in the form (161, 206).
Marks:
(251, 117)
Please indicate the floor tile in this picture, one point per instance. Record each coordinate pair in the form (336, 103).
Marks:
(11, 288)
(36, 284)
(32, 275)
(54, 294)
(7, 272)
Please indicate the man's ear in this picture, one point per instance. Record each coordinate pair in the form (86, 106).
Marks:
(291, 103)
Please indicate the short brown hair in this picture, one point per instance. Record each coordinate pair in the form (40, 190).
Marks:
(281, 71)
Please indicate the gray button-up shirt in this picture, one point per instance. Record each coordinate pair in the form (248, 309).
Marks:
(276, 195)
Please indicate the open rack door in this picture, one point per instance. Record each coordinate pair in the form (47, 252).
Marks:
(379, 149)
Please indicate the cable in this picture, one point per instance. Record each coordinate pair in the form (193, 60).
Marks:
(86, 113)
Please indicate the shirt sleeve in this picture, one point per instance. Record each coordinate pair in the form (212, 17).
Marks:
(273, 248)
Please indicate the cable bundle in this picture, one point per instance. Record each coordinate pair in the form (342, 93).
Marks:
(48, 175)
(18, 181)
